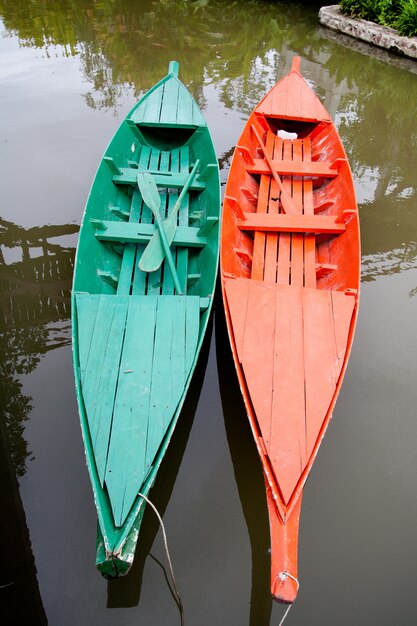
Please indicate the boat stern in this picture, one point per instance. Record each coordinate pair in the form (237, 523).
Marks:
(284, 551)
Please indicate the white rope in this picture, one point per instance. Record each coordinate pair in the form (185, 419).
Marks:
(171, 569)
(285, 615)
(283, 576)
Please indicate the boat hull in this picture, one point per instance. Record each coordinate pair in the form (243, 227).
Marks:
(290, 268)
(137, 333)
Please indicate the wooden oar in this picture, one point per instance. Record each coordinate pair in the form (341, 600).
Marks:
(154, 253)
(286, 200)
(152, 199)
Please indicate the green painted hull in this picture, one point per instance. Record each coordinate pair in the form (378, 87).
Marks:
(136, 335)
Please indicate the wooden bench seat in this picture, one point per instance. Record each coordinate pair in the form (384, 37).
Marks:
(128, 232)
(177, 180)
(321, 169)
(281, 222)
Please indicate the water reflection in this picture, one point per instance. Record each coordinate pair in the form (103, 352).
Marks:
(34, 316)
(35, 279)
(21, 602)
(113, 38)
(248, 475)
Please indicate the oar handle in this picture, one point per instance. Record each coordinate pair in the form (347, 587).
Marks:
(286, 201)
(185, 189)
(168, 252)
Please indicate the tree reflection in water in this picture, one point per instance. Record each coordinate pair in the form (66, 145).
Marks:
(35, 310)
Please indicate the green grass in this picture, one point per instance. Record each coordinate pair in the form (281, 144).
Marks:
(398, 14)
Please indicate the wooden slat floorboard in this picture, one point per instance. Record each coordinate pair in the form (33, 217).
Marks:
(155, 278)
(259, 239)
(294, 150)
(237, 298)
(126, 464)
(258, 356)
(271, 246)
(309, 240)
(183, 166)
(304, 335)
(101, 368)
(192, 319)
(284, 251)
(287, 448)
(162, 400)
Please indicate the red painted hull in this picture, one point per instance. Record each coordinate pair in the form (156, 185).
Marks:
(290, 272)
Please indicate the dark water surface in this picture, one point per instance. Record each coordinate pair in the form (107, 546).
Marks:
(69, 73)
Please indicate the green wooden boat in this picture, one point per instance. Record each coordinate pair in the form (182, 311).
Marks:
(143, 288)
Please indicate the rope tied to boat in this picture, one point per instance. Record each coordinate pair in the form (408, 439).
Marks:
(171, 569)
(283, 577)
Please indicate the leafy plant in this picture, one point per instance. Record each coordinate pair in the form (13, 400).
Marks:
(360, 9)
(406, 22)
(399, 14)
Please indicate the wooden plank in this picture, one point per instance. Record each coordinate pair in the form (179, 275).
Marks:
(293, 100)
(183, 218)
(86, 307)
(321, 363)
(168, 287)
(176, 315)
(170, 102)
(139, 277)
(288, 167)
(284, 241)
(185, 236)
(320, 224)
(154, 283)
(294, 148)
(310, 279)
(140, 112)
(179, 371)
(126, 270)
(163, 393)
(287, 205)
(192, 329)
(198, 119)
(101, 372)
(271, 245)
(185, 107)
(126, 467)
(153, 106)
(237, 293)
(287, 445)
(128, 176)
(258, 350)
(259, 240)
(175, 160)
(343, 306)
(144, 214)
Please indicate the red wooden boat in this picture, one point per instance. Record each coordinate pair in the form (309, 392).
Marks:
(290, 270)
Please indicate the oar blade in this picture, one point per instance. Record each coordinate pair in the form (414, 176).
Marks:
(154, 253)
(149, 191)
